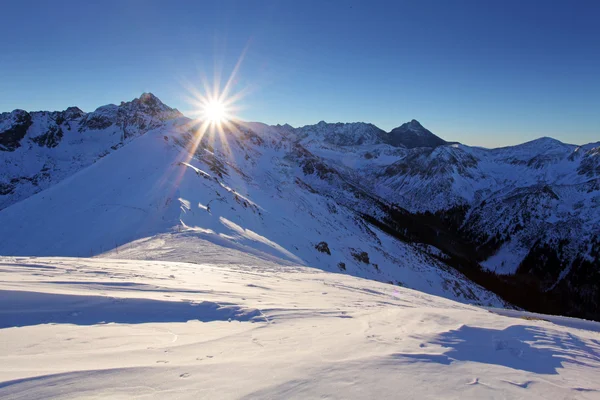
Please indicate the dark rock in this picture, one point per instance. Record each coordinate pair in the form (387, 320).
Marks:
(51, 138)
(412, 134)
(323, 248)
(6, 188)
(10, 139)
(361, 256)
(95, 121)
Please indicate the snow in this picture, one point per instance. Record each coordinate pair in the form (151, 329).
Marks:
(201, 272)
(265, 163)
(153, 188)
(241, 327)
(507, 259)
(33, 167)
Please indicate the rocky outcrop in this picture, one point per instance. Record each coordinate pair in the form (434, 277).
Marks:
(13, 128)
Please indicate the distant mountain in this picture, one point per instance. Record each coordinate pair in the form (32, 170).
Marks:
(412, 134)
(409, 135)
(403, 206)
(342, 134)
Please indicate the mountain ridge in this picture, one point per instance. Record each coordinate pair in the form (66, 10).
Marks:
(512, 212)
(148, 96)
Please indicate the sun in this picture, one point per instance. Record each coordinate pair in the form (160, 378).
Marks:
(215, 112)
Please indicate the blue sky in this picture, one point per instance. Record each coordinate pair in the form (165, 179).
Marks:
(480, 72)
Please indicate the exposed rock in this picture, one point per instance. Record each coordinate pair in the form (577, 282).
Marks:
(361, 256)
(51, 138)
(16, 123)
(323, 248)
(412, 134)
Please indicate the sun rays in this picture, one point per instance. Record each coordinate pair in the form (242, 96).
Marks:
(215, 108)
(215, 123)
(215, 112)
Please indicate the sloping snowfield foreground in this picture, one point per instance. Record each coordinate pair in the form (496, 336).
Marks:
(111, 328)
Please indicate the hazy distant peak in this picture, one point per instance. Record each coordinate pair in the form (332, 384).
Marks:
(412, 134)
(149, 104)
(342, 133)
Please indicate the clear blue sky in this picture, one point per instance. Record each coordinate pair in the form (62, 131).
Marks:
(482, 72)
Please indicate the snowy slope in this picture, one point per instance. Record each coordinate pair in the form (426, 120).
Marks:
(39, 149)
(241, 327)
(260, 194)
(530, 212)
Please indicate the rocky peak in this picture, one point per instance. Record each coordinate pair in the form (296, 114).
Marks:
(72, 113)
(13, 128)
(414, 125)
(343, 134)
(135, 116)
(151, 105)
(412, 134)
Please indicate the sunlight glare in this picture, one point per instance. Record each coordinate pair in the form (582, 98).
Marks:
(215, 112)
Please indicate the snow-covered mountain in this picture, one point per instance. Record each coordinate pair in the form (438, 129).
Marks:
(412, 134)
(39, 149)
(403, 206)
(250, 187)
(529, 212)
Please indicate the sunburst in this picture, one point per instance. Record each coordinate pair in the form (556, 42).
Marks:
(215, 112)
(215, 108)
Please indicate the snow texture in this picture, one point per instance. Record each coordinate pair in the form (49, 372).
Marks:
(241, 327)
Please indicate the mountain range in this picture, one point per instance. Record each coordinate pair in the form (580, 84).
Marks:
(518, 225)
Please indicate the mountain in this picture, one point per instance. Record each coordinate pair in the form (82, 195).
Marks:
(412, 134)
(409, 135)
(529, 212)
(341, 134)
(250, 187)
(404, 207)
(39, 149)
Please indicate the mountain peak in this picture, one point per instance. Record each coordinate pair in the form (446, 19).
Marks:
(73, 113)
(412, 134)
(152, 105)
(414, 125)
(342, 133)
(544, 143)
(148, 97)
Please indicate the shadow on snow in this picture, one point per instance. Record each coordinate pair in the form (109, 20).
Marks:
(19, 308)
(526, 348)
